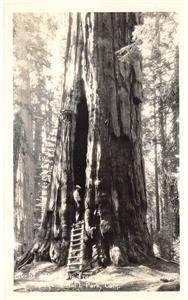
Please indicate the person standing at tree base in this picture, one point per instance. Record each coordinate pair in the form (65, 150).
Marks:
(79, 204)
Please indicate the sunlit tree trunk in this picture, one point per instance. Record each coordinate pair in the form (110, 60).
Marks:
(37, 152)
(158, 223)
(175, 109)
(24, 195)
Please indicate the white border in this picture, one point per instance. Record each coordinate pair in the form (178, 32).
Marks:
(90, 5)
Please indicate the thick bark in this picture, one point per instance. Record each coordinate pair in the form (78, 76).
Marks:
(38, 166)
(108, 93)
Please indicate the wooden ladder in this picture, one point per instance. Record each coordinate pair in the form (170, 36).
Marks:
(76, 250)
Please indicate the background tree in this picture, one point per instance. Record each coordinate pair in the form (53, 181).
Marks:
(160, 68)
(37, 98)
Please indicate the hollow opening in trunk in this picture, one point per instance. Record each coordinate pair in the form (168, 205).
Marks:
(80, 145)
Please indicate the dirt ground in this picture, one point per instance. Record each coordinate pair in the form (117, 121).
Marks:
(47, 277)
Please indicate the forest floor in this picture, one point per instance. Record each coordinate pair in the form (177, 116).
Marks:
(47, 277)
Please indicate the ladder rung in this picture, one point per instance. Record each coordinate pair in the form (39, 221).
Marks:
(78, 224)
(73, 271)
(77, 244)
(77, 234)
(73, 257)
(77, 250)
(74, 268)
(77, 229)
(75, 240)
(74, 264)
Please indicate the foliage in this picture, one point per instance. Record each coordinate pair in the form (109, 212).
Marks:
(158, 43)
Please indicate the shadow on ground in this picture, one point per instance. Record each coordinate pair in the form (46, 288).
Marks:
(47, 277)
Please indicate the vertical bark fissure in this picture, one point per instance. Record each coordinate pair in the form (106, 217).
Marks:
(114, 71)
(67, 55)
(156, 171)
(80, 145)
(77, 37)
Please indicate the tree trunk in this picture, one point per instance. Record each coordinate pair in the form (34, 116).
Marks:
(99, 145)
(23, 173)
(158, 223)
(175, 110)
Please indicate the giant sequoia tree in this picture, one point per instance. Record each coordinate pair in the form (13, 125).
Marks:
(98, 143)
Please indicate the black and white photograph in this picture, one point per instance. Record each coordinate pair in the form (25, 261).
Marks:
(96, 151)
